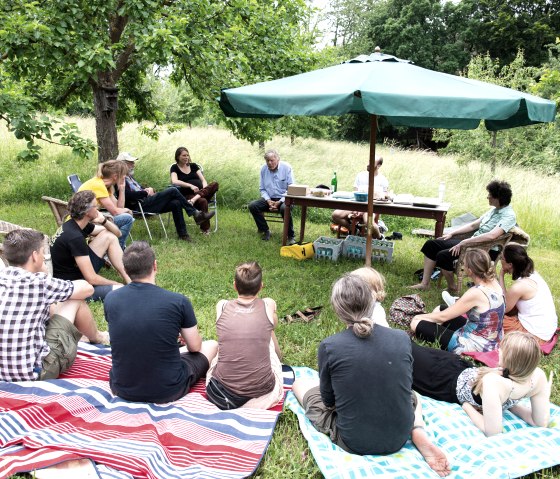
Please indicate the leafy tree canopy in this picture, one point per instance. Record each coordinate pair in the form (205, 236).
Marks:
(58, 52)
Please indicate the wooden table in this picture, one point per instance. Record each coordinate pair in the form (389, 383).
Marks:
(437, 213)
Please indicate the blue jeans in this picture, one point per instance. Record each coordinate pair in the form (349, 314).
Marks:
(124, 221)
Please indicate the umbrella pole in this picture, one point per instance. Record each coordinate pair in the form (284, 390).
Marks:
(372, 140)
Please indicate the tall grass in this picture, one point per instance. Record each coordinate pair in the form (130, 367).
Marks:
(204, 270)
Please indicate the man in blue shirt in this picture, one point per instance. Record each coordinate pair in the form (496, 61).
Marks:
(276, 176)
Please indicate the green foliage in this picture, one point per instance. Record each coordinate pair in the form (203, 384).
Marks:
(502, 27)
(536, 146)
(424, 31)
(70, 49)
(204, 270)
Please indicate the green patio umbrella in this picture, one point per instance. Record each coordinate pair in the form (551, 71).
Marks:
(401, 92)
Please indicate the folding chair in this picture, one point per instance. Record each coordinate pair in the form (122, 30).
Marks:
(58, 207)
(74, 181)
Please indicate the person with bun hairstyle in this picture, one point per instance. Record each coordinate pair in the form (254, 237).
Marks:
(485, 393)
(484, 308)
(364, 399)
(529, 303)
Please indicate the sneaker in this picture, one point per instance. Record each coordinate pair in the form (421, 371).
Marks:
(266, 235)
(291, 241)
(203, 216)
(382, 227)
(448, 298)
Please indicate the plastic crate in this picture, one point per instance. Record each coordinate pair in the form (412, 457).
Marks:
(328, 248)
(355, 247)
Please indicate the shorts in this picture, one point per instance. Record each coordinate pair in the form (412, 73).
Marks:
(62, 337)
(322, 417)
(197, 365)
(96, 261)
(512, 323)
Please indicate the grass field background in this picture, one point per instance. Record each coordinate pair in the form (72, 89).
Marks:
(204, 269)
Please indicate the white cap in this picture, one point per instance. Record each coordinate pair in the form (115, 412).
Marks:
(126, 156)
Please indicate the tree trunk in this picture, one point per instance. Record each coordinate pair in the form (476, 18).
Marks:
(105, 104)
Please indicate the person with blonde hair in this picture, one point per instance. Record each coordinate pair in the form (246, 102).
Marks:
(376, 282)
(483, 305)
(529, 303)
(485, 393)
(364, 399)
(110, 174)
(247, 372)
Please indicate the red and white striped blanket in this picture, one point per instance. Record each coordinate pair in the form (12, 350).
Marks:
(76, 416)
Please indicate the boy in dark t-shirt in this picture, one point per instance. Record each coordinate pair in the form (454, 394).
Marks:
(144, 322)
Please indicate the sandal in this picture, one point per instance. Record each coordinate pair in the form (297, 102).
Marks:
(306, 315)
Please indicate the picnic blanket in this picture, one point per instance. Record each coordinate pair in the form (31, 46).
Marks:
(521, 450)
(45, 422)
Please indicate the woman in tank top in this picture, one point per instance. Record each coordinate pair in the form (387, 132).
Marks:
(474, 321)
(485, 393)
(529, 303)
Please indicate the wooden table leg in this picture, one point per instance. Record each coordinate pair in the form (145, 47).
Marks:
(440, 223)
(287, 216)
(302, 223)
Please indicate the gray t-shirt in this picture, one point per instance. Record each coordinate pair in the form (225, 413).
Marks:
(369, 380)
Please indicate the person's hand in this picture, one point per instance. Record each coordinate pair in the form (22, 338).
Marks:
(456, 250)
(275, 206)
(445, 237)
(150, 191)
(122, 184)
(194, 188)
(99, 218)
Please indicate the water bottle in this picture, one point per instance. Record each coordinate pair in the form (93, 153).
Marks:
(441, 191)
(334, 183)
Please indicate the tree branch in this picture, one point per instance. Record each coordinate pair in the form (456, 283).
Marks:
(123, 61)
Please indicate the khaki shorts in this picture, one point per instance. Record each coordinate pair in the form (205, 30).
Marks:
(322, 417)
(62, 338)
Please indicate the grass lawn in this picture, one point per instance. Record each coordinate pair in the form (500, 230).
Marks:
(204, 269)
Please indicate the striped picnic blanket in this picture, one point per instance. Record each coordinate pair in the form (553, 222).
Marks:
(520, 451)
(76, 416)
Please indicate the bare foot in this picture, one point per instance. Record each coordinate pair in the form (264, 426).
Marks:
(420, 286)
(433, 455)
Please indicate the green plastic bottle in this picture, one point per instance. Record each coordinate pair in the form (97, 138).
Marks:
(334, 183)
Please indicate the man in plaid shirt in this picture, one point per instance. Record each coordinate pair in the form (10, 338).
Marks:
(41, 318)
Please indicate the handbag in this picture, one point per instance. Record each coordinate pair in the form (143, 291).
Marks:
(299, 251)
(405, 308)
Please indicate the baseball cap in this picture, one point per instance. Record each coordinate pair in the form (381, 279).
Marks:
(126, 156)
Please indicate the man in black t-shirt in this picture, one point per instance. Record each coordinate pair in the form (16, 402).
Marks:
(144, 323)
(74, 258)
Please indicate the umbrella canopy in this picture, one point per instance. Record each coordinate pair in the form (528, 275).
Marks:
(384, 85)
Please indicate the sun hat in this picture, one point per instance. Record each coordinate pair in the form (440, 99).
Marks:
(126, 156)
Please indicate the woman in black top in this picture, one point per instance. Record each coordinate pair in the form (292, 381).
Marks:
(192, 184)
